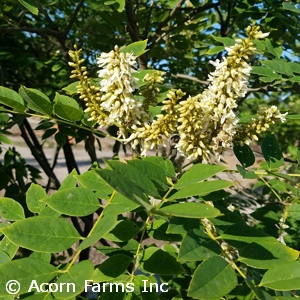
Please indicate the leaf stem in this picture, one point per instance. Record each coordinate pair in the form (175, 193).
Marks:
(137, 262)
(217, 240)
(269, 186)
(90, 233)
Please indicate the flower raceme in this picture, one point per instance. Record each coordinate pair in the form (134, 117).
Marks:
(117, 86)
(265, 116)
(206, 123)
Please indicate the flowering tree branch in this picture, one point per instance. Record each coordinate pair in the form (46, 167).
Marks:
(206, 124)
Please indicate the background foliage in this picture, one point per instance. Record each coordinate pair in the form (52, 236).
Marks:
(207, 252)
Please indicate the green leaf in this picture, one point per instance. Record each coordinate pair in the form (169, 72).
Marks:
(112, 268)
(197, 173)
(295, 79)
(246, 174)
(182, 225)
(125, 187)
(34, 194)
(12, 99)
(213, 278)
(4, 139)
(123, 231)
(8, 247)
(37, 100)
(265, 72)
(44, 234)
(294, 66)
(71, 89)
(74, 280)
(48, 133)
(120, 204)
(189, 210)
(11, 210)
(269, 79)
(116, 295)
(93, 181)
(30, 6)
(259, 45)
(41, 296)
(67, 108)
(136, 175)
(278, 185)
(4, 257)
(260, 293)
(4, 117)
(158, 230)
(24, 271)
(137, 48)
(291, 7)
(160, 262)
(41, 255)
(70, 181)
(121, 5)
(244, 154)
(153, 171)
(278, 65)
(77, 202)
(201, 189)
(106, 224)
(226, 41)
(272, 152)
(258, 249)
(215, 50)
(283, 277)
(60, 138)
(276, 51)
(196, 246)
(49, 212)
(164, 163)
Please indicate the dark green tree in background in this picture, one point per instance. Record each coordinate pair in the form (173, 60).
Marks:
(184, 39)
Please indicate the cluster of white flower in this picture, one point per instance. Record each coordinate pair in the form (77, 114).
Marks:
(117, 85)
(206, 123)
(212, 121)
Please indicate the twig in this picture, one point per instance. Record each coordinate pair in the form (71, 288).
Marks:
(169, 18)
(49, 20)
(188, 77)
(39, 31)
(73, 19)
(69, 156)
(134, 31)
(91, 146)
(39, 156)
(194, 12)
(55, 157)
(147, 25)
(264, 88)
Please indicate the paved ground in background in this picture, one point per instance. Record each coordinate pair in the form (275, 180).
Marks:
(82, 157)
